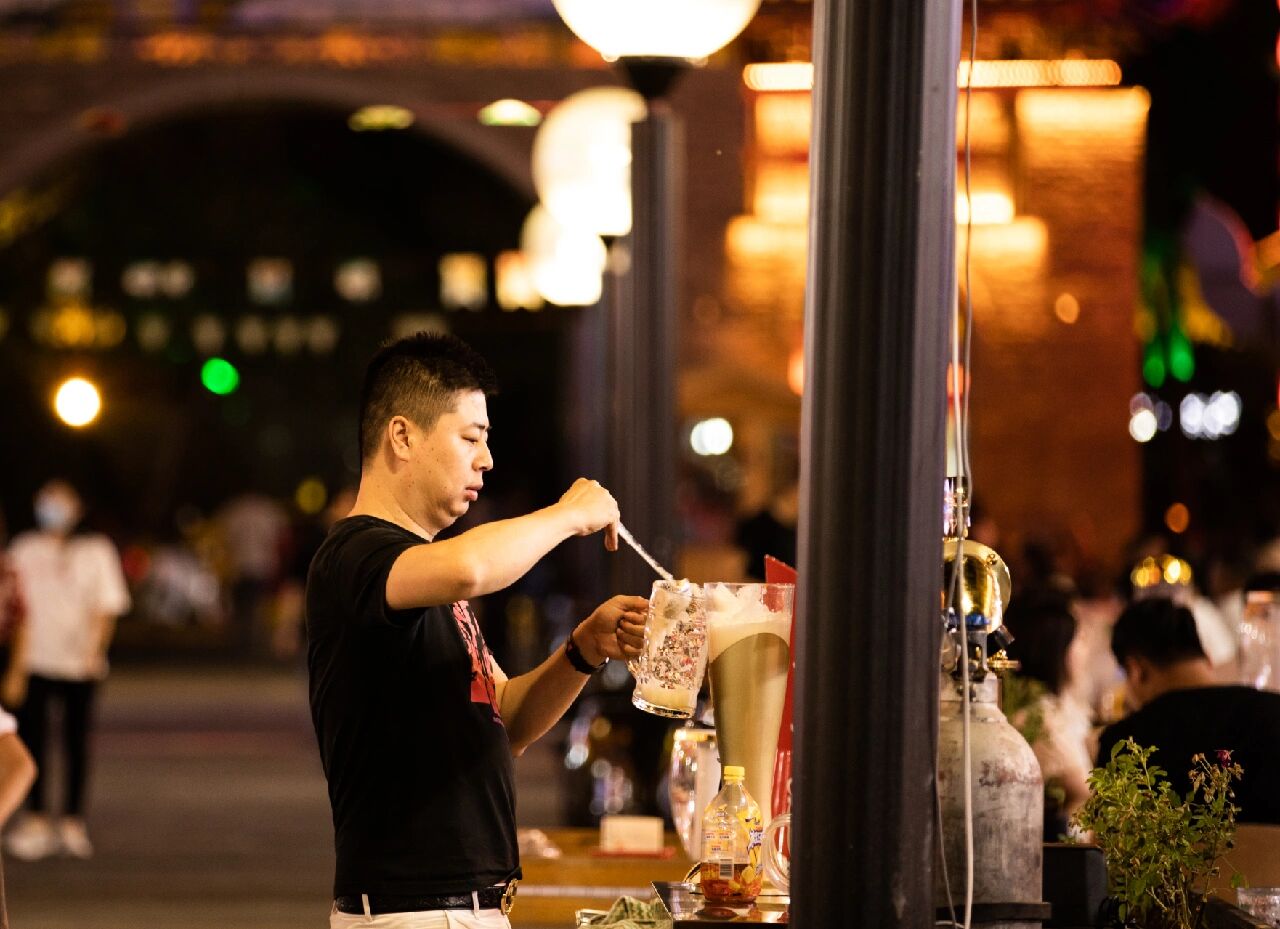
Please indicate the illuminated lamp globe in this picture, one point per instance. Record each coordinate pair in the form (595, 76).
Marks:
(582, 159)
(676, 29)
(566, 264)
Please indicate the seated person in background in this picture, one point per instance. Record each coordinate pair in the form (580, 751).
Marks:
(1050, 650)
(1183, 711)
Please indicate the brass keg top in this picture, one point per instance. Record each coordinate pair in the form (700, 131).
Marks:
(984, 585)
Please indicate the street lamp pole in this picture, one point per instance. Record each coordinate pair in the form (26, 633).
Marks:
(645, 347)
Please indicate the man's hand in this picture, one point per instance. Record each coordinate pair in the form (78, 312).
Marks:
(614, 630)
(592, 508)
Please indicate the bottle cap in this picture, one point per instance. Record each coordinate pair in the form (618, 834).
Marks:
(734, 772)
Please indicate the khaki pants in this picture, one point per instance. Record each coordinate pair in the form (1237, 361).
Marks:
(427, 919)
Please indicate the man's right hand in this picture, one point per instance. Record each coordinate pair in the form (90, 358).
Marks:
(592, 508)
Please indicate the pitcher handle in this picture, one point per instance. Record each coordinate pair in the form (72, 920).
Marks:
(776, 868)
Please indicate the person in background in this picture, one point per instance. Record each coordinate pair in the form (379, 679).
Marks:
(1183, 711)
(254, 528)
(75, 591)
(1096, 607)
(1050, 650)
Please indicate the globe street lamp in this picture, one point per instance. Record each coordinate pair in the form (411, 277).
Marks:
(653, 42)
(582, 160)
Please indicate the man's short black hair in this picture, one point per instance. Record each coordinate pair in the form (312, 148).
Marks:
(1043, 627)
(417, 377)
(1157, 629)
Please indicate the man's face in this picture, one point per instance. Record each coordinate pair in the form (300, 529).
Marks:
(449, 462)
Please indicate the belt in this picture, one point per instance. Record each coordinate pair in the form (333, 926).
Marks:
(490, 898)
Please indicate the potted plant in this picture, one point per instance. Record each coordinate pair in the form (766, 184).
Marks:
(1160, 848)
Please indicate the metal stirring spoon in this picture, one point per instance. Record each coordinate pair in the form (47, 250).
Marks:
(639, 550)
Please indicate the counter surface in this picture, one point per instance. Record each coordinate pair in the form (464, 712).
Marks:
(690, 910)
(554, 889)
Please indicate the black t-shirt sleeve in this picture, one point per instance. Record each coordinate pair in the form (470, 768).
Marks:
(361, 566)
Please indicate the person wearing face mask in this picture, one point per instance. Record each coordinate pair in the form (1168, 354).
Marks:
(75, 590)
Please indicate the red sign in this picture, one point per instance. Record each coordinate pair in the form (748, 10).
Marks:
(777, 572)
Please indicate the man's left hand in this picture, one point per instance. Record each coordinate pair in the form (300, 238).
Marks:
(614, 630)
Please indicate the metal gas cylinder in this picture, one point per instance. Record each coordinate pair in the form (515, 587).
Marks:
(1008, 810)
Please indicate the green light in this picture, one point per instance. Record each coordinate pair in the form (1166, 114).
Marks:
(1182, 362)
(219, 376)
(1153, 371)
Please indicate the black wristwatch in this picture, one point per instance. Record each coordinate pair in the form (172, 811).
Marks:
(576, 658)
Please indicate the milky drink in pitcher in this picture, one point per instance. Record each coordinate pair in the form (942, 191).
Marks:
(749, 628)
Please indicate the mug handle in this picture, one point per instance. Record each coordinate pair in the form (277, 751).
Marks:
(776, 868)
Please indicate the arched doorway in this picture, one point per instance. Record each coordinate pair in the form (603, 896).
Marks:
(218, 190)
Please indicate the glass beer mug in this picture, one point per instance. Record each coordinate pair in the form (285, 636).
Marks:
(671, 664)
(777, 860)
(692, 782)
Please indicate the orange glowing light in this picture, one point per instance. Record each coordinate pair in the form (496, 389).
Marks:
(965, 381)
(782, 192)
(783, 124)
(1094, 112)
(1067, 308)
(1177, 518)
(795, 371)
(1026, 238)
(779, 76)
(793, 76)
(988, 208)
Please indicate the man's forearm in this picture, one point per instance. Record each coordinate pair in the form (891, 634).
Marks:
(477, 562)
(534, 702)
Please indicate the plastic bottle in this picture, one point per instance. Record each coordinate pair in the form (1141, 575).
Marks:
(732, 828)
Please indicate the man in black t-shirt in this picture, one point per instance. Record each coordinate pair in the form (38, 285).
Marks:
(1183, 711)
(416, 722)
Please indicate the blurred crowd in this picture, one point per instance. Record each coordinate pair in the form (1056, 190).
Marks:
(1180, 657)
(1099, 656)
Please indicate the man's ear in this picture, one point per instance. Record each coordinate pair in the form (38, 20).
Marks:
(400, 434)
(1136, 669)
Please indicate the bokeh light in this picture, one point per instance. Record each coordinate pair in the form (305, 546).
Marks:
(711, 437)
(219, 376)
(509, 112)
(795, 371)
(566, 263)
(582, 159)
(77, 402)
(1067, 309)
(1143, 425)
(311, 496)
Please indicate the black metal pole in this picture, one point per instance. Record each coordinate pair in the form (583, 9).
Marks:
(587, 423)
(644, 353)
(881, 285)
